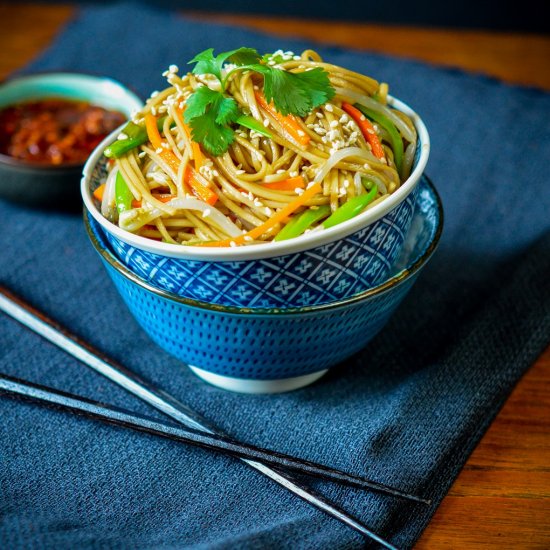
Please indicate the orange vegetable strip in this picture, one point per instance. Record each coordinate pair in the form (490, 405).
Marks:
(197, 152)
(288, 122)
(199, 190)
(286, 185)
(367, 129)
(279, 216)
(98, 193)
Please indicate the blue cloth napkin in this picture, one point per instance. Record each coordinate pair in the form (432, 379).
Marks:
(408, 410)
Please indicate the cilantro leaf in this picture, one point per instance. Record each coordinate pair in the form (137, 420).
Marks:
(215, 138)
(207, 63)
(244, 56)
(209, 113)
(227, 111)
(295, 93)
(198, 102)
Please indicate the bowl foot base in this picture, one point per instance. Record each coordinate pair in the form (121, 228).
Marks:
(244, 385)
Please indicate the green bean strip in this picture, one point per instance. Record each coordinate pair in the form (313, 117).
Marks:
(252, 124)
(298, 224)
(351, 208)
(136, 135)
(123, 195)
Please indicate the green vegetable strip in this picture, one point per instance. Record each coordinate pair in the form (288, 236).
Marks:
(123, 195)
(351, 208)
(298, 224)
(252, 124)
(137, 135)
(388, 125)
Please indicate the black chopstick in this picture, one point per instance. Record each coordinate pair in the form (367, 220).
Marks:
(84, 352)
(140, 423)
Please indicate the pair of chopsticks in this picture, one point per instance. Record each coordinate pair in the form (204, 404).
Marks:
(196, 431)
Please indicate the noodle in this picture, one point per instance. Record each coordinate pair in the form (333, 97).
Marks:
(245, 186)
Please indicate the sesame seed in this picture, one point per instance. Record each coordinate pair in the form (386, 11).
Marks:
(293, 174)
(301, 133)
(366, 166)
(329, 108)
(299, 191)
(206, 213)
(319, 115)
(142, 154)
(240, 172)
(268, 211)
(248, 238)
(122, 136)
(266, 123)
(232, 244)
(334, 124)
(159, 150)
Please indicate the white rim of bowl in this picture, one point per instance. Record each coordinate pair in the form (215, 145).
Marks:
(260, 251)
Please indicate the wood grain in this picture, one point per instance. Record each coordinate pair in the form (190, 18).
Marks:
(502, 496)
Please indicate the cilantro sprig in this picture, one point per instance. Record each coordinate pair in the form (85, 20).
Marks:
(211, 114)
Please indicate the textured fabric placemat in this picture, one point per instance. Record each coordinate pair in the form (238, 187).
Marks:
(408, 410)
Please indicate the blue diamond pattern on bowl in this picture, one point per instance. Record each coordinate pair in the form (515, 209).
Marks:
(320, 275)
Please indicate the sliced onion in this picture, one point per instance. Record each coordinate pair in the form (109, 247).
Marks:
(132, 220)
(358, 183)
(408, 159)
(222, 221)
(340, 155)
(376, 106)
(108, 204)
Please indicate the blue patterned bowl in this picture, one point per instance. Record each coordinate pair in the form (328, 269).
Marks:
(313, 269)
(272, 350)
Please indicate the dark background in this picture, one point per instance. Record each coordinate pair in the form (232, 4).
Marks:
(526, 15)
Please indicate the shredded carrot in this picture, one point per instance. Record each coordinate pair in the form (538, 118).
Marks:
(198, 157)
(288, 122)
(367, 129)
(286, 185)
(98, 193)
(199, 190)
(279, 216)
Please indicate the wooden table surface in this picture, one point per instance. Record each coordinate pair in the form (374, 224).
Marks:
(502, 496)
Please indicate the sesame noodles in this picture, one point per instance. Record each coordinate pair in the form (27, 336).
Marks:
(272, 172)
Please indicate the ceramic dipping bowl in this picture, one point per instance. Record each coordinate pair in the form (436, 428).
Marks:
(48, 185)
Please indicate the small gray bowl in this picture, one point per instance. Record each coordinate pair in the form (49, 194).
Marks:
(48, 186)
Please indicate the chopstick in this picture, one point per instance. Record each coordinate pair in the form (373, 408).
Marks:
(122, 417)
(39, 323)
